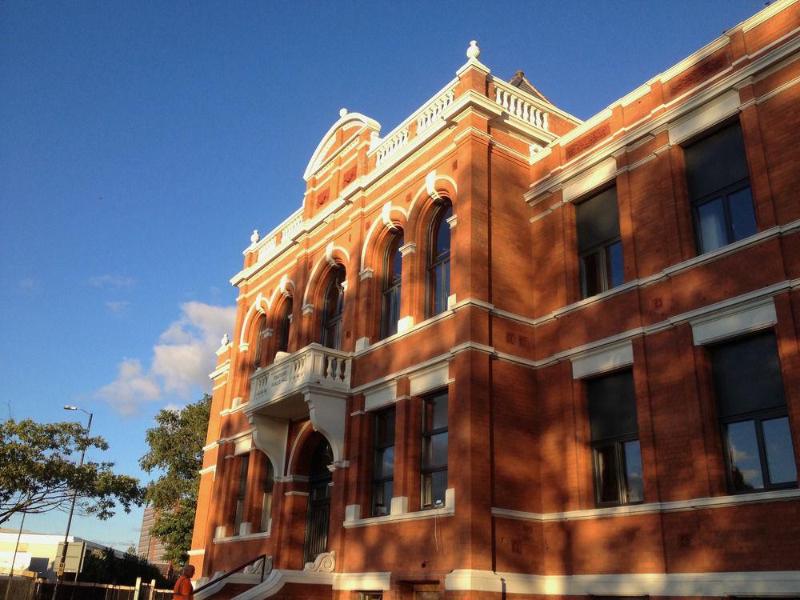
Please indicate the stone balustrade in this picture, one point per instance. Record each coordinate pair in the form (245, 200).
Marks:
(518, 106)
(314, 365)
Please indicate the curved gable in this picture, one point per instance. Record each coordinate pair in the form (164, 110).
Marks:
(350, 123)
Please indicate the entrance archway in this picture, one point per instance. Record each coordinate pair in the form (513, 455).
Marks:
(319, 497)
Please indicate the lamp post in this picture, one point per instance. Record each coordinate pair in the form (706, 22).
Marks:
(62, 559)
(14, 558)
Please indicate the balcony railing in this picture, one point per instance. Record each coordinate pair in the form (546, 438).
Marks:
(313, 365)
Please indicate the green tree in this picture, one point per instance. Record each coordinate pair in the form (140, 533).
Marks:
(39, 471)
(176, 453)
(107, 566)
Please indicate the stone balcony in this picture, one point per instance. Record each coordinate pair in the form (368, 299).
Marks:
(312, 366)
(312, 383)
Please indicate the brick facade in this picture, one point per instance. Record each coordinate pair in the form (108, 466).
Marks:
(516, 346)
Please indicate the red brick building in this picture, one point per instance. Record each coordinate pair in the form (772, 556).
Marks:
(500, 352)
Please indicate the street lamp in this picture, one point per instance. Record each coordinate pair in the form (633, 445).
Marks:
(60, 566)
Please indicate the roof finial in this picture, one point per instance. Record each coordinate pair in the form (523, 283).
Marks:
(254, 236)
(473, 52)
(342, 112)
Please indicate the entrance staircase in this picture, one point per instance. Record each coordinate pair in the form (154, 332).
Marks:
(257, 580)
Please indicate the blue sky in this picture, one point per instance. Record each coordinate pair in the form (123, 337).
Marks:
(143, 141)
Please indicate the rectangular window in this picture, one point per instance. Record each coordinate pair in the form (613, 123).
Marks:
(383, 462)
(615, 439)
(599, 244)
(434, 450)
(753, 417)
(719, 189)
(370, 596)
(241, 493)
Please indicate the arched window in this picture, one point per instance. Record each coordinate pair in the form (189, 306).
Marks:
(266, 500)
(393, 272)
(439, 262)
(261, 343)
(284, 325)
(333, 309)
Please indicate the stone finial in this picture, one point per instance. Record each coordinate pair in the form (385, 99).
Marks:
(225, 340)
(473, 52)
(254, 237)
(342, 112)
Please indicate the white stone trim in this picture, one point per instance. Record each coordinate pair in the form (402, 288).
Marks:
(768, 583)
(220, 370)
(242, 538)
(242, 445)
(765, 13)
(665, 113)
(362, 581)
(398, 505)
(352, 512)
(650, 507)
(739, 320)
(208, 469)
(198, 552)
(602, 360)
(448, 510)
(704, 117)
(590, 180)
(380, 396)
(406, 249)
(405, 324)
(429, 379)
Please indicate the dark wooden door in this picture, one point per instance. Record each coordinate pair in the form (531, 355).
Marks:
(319, 503)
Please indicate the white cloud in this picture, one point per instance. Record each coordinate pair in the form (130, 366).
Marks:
(117, 306)
(111, 281)
(182, 359)
(131, 387)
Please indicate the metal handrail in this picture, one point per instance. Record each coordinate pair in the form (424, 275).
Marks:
(234, 571)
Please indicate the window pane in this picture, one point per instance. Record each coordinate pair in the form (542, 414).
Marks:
(615, 270)
(266, 510)
(780, 454)
(747, 375)
(591, 274)
(745, 465)
(435, 485)
(606, 470)
(712, 225)
(382, 499)
(439, 411)
(597, 220)
(443, 232)
(633, 472)
(434, 451)
(716, 161)
(612, 406)
(743, 218)
(384, 463)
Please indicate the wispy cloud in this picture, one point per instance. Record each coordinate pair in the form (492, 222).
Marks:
(117, 306)
(182, 358)
(109, 281)
(28, 284)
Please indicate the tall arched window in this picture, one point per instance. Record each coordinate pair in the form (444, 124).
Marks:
(261, 343)
(333, 309)
(284, 325)
(439, 262)
(392, 275)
